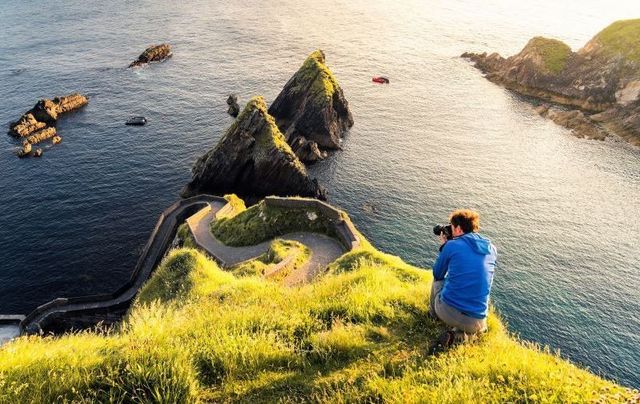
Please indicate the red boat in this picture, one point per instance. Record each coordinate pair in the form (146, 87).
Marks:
(380, 79)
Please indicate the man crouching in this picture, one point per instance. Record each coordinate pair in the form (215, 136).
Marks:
(463, 273)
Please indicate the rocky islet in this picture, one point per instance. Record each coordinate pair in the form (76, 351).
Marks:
(154, 53)
(37, 124)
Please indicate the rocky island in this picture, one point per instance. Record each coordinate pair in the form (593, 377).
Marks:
(154, 53)
(311, 110)
(253, 160)
(37, 124)
(599, 84)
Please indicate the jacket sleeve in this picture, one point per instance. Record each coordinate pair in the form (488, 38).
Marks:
(441, 265)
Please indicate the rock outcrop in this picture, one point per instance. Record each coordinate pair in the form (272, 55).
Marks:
(312, 106)
(234, 108)
(154, 53)
(41, 135)
(45, 113)
(252, 160)
(36, 125)
(602, 76)
(577, 121)
(306, 150)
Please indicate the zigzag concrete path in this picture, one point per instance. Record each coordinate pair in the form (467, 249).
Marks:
(324, 249)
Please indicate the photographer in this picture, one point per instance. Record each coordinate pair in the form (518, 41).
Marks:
(463, 273)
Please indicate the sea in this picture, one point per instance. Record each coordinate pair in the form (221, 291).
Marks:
(562, 211)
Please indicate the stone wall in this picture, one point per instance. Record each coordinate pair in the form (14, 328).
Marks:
(345, 230)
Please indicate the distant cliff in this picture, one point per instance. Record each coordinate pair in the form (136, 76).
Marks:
(252, 160)
(602, 79)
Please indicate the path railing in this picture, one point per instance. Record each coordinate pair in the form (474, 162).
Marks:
(152, 253)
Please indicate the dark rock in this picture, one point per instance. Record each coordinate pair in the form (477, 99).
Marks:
(232, 99)
(25, 150)
(252, 160)
(233, 110)
(604, 75)
(154, 53)
(307, 151)
(312, 105)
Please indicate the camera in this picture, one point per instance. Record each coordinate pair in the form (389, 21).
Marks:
(443, 229)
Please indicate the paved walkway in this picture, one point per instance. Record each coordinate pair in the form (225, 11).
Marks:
(324, 249)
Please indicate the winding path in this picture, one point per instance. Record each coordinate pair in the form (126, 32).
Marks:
(324, 249)
(62, 314)
(79, 312)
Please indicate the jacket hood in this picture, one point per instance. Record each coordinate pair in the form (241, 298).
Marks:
(478, 243)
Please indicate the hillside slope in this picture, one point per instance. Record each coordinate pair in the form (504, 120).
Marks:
(360, 333)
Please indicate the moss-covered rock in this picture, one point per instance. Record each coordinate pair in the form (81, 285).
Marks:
(312, 105)
(622, 38)
(252, 160)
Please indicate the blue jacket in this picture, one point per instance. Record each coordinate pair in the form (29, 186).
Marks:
(466, 264)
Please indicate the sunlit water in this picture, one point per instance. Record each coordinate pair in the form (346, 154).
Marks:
(563, 212)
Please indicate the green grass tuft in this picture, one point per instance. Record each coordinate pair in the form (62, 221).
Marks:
(278, 251)
(554, 53)
(261, 222)
(361, 333)
(622, 38)
(323, 82)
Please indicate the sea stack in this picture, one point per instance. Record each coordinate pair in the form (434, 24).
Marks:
(602, 79)
(312, 106)
(154, 53)
(252, 160)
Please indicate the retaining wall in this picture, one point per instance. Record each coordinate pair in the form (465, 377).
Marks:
(61, 314)
(345, 231)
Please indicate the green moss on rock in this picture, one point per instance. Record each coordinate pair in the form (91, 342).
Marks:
(554, 53)
(262, 222)
(621, 38)
(323, 82)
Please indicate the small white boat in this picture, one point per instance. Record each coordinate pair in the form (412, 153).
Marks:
(136, 120)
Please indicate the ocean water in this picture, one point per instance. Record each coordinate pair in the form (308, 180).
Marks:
(562, 211)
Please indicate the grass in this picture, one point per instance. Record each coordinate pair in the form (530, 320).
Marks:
(622, 38)
(261, 222)
(323, 82)
(279, 250)
(554, 53)
(269, 140)
(359, 334)
(185, 237)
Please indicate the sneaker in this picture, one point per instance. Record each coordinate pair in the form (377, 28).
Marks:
(445, 340)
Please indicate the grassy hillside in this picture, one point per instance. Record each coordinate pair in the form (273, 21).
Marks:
(622, 38)
(554, 53)
(360, 333)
